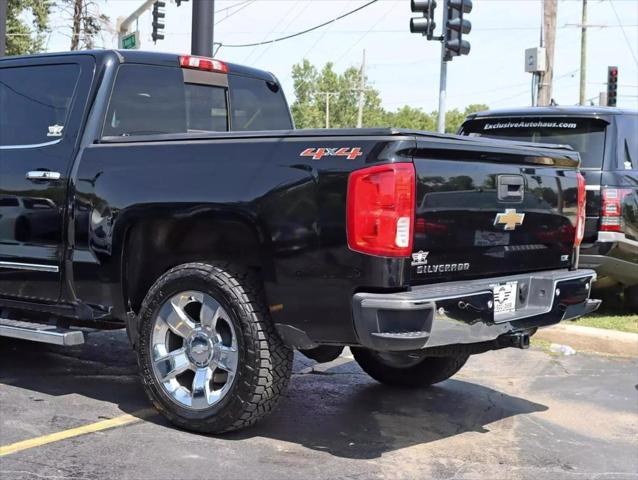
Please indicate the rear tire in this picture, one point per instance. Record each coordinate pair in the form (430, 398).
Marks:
(631, 298)
(407, 369)
(209, 357)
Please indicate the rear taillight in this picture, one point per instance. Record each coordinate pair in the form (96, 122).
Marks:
(203, 63)
(580, 217)
(380, 212)
(611, 217)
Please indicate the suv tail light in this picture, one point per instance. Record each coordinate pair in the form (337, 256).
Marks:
(612, 218)
(380, 210)
(202, 63)
(580, 216)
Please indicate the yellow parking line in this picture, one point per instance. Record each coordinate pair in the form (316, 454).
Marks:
(74, 432)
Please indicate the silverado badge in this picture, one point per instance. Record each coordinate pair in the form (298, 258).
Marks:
(510, 219)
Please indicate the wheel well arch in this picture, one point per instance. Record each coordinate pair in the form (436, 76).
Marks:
(154, 246)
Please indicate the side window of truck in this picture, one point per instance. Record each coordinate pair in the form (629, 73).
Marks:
(36, 101)
(155, 100)
(628, 146)
(257, 105)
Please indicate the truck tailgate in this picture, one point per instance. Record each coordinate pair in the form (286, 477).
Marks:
(490, 212)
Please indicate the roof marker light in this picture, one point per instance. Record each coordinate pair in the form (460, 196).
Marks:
(203, 63)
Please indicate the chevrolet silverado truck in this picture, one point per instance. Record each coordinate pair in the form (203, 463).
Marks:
(171, 195)
(607, 140)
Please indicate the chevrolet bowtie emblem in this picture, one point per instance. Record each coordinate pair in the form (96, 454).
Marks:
(510, 219)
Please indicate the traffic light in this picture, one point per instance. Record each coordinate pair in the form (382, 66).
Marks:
(456, 27)
(612, 86)
(425, 25)
(158, 27)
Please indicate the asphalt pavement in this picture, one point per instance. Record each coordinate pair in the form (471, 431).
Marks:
(507, 415)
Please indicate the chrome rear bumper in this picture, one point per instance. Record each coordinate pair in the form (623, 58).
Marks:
(462, 312)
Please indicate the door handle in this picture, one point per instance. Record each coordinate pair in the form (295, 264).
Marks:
(511, 188)
(43, 175)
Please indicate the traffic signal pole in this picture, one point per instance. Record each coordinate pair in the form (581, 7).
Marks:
(130, 20)
(452, 42)
(442, 80)
(202, 30)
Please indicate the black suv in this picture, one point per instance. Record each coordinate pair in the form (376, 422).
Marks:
(607, 139)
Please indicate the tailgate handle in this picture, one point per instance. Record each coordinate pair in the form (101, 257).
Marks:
(511, 188)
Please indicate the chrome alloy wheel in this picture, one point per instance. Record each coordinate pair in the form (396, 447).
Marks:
(194, 352)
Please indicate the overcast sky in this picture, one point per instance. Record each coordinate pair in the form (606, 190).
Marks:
(404, 67)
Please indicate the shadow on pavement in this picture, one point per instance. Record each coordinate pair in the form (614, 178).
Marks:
(340, 411)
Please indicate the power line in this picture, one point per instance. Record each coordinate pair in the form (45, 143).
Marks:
(623, 31)
(280, 22)
(233, 6)
(382, 18)
(241, 6)
(308, 30)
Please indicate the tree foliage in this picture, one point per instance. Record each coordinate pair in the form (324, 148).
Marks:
(26, 25)
(312, 86)
(86, 22)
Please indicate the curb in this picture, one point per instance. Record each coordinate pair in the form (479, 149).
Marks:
(590, 339)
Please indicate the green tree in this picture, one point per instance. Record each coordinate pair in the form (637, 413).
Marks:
(454, 118)
(313, 88)
(411, 118)
(26, 25)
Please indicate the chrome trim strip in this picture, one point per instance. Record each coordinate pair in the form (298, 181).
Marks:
(43, 175)
(447, 329)
(30, 266)
(616, 237)
(33, 145)
(40, 333)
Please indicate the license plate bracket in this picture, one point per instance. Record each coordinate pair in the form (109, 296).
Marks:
(505, 298)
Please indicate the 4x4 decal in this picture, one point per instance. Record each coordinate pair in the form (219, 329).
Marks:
(319, 153)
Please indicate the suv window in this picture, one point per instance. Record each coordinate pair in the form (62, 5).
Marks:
(152, 100)
(628, 136)
(35, 103)
(257, 105)
(585, 135)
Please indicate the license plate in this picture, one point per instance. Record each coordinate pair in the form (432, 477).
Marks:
(491, 239)
(505, 298)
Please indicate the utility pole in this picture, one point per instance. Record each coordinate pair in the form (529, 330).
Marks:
(583, 55)
(549, 42)
(202, 30)
(3, 27)
(362, 91)
(442, 79)
(327, 94)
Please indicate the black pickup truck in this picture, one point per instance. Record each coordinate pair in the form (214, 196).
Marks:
(172, 196)
(607, 140)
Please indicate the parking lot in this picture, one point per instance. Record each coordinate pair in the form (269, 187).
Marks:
(508, 414)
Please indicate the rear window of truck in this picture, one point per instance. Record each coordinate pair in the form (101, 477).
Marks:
(585, 135)
(257, 105)
(155, 100)
(35, 103)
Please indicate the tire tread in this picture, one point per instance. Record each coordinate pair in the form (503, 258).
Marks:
(269, 374)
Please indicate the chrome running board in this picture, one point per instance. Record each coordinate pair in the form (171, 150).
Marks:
(40, 332)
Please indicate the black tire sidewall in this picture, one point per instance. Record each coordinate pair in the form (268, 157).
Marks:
(230, 407)
(427, 372)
